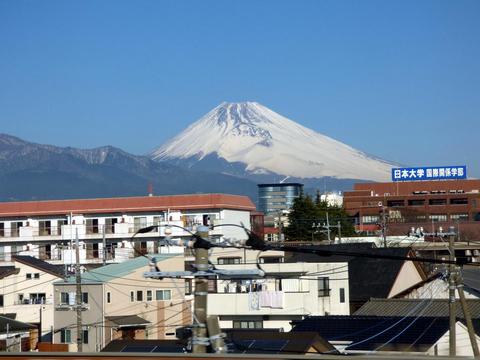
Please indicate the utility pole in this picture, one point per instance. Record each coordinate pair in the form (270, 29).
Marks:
(451, 297)
(468, 317)
(104, 246)
(78, 293)
(339, 225)
(199, 330)
(328, 228)
(384, 227)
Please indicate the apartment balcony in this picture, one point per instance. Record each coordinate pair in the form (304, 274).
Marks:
(36, 301)
(286, 303)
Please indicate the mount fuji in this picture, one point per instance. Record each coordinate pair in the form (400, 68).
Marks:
(248, 139)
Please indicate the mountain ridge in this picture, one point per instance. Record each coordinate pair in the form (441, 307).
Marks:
(30, 171)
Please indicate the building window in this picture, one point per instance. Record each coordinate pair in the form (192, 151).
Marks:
(247, 324)
(139, 295)
(109, 297)
(370, 219)
(163, 294)
(416, 202)
(395, 203)
(65, 336)
(188, 286)
(2, 229)
(149, 295)
(229, 260)
(438, 217)
(132, 296)
(28, 276)
(110, 225)
(36, 276)
(459, 201)
(459, 217)
(342, 295)
(64, 298)
(85, 336)
(92, 226)
(271, 259)
(436, 202)
(37, 298)
(85, 297)
(139, 223)
(1, 300)
(323, 286)
(44, 228)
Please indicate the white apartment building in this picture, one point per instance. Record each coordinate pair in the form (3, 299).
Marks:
(288, 291)
(104, 227)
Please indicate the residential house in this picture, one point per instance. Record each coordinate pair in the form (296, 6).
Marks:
(369, 277)
(118, 302)
(288, 291)
(26, 289)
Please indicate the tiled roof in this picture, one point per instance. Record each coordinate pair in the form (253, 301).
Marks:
(415, 307)
(7, 271)
(151, 346)
(380, 333)
(126, 205)
(40, 265)
(13, 325)
(113, 271)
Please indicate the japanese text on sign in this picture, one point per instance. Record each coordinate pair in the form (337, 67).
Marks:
(429, 173)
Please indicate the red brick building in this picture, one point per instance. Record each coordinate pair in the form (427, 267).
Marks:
(427, 204)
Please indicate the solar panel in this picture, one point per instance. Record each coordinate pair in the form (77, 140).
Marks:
(138, 348)
(266, 346)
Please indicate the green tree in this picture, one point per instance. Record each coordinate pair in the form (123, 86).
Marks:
(308, 220)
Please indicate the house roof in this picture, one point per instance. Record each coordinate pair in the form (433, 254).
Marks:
(381, 333)
(126, 205)
(13, 325)
(128, 320)
(415, 307)
(274, 342)
(7, 271)
(40, 265)
(368, 277)
(110, 272)
(153, 346)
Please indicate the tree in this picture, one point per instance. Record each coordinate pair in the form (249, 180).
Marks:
(308, 220)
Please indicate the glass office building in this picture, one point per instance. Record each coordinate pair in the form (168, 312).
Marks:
(273, 198)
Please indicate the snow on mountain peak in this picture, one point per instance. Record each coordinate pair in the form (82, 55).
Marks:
(265, 141)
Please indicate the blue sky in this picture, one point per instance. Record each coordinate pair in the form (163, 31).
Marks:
(397, 79)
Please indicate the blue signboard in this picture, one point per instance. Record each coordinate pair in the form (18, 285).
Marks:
(429, 173)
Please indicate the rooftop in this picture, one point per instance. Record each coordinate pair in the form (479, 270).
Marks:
(107, 273)
(126, 204)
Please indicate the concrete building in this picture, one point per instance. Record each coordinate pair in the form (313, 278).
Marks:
(418, 204)
(119, 303)
(289, 291)
(46, 229)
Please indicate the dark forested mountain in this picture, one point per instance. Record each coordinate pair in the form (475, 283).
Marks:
(30, 171)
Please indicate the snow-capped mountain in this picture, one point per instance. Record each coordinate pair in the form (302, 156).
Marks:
(268, 143)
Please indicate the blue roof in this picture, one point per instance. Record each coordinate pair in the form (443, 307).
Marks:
(112, 271)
